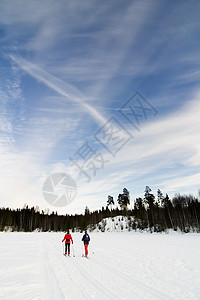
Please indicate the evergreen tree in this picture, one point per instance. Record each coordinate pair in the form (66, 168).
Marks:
(149, 199)
(167, 205)
(110, 201)
(124, 199)
(159, 197)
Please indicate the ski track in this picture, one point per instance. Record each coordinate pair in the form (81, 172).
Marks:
(161, 274)
(83, 292)
(55, 291)
(169, 281)
(133, 280)
(98, 290)
(35, 269)
(105, 293)
(67, 275)
(148, 289)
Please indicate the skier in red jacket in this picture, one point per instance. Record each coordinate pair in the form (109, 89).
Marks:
(68, 239)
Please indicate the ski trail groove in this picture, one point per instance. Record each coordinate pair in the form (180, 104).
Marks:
(105, 292)
(70, 273)
(132, 279)
(51, 278)
(81, 281)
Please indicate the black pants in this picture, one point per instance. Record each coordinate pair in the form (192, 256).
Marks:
(67, 248)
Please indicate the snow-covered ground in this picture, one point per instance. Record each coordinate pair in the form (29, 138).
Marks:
(122, 265)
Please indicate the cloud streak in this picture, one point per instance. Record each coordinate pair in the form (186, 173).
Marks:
(59, 86)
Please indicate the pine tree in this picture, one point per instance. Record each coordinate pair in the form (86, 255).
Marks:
(110, 201)
(149, 199)
(124, 199)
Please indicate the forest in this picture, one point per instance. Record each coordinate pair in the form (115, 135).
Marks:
(152, 213)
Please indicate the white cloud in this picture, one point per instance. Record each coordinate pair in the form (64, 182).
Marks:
(163, 153)
(19, 180)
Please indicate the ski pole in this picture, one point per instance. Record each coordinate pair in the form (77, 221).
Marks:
(73, 250)
(63, 249)
(83, 250)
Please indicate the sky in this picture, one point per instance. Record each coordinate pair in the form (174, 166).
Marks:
(98, 96)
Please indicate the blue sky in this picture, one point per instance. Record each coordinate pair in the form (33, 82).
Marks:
(68, 67)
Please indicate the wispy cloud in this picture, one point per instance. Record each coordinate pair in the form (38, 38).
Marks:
(169, 147)
(59, 86)
(88, 58)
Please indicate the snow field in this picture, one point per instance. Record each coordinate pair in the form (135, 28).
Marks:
(125, 265)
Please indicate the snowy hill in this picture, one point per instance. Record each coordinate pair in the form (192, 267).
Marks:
(118, 224)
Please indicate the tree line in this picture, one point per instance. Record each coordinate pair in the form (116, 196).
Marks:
(157, 214)
(153, 213)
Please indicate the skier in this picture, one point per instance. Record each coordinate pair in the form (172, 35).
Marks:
(68, 239)
(86, 240)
